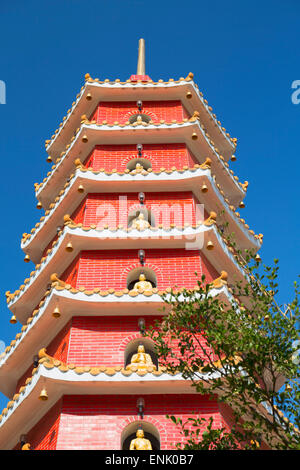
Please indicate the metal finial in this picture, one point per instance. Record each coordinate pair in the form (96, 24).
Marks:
(141, 58)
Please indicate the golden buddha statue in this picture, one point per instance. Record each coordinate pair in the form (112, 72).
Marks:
(140, 442)
(138, 169)
(140, 223)
(26, 446)
(141, 359)
(142, 283)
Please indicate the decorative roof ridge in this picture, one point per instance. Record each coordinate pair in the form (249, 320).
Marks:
(59, 285)
(49, 362)
(236, 214)
(128, 83)
(79, 166)
(70, 224)
(206, 165)
(88, 124)
(73, 225)
(211, 221)
(52, 362)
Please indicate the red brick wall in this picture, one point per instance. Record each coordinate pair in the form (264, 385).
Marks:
(58, 348)
(44, 434)
(96, 422)
(156, 110)
(112, 209)
(109, 269)
(71, 273)
(79, 214)
(111, 157)
(96, 341)
(102, 341)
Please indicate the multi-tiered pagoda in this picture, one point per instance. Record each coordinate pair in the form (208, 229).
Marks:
(139, 198)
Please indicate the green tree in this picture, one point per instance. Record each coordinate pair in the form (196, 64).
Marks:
(242, 351)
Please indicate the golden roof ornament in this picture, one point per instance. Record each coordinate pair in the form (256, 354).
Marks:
(43, 395)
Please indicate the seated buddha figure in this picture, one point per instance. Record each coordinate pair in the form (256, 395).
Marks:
(138, 169)
(142, 283)
(140, 223)
(140, 442)
(141, 359)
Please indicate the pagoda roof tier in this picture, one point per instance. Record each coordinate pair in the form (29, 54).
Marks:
(184, 90)
(59, 379)
(42, 327)
(58, 258)
(192, 179)
(89, 135)
(25, 409)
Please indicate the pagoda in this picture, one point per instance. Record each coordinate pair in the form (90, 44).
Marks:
(140, 196)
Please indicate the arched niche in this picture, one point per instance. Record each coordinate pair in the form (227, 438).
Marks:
(134, 213)
(132, 347)
(143, 161)
(150, 433)
(139, 117)
(133, 276)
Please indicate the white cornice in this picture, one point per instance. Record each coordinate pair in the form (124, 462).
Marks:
(58, 259)
(44, 327)
(26, 411)
(171, 90)
(151, 133)
(187, 180)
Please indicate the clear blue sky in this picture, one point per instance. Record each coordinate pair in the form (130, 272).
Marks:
(245, 56)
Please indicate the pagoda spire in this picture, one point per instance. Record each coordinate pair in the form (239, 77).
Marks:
(140, 73)
(141, 58)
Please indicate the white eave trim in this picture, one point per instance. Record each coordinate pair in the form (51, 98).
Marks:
(148, 131)
(131, 86)
(108, 236)
(27, 410)
(89, 177)
(44, 327)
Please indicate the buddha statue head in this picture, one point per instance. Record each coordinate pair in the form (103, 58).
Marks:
(142, 277)
(141, 348)
(140, 433)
